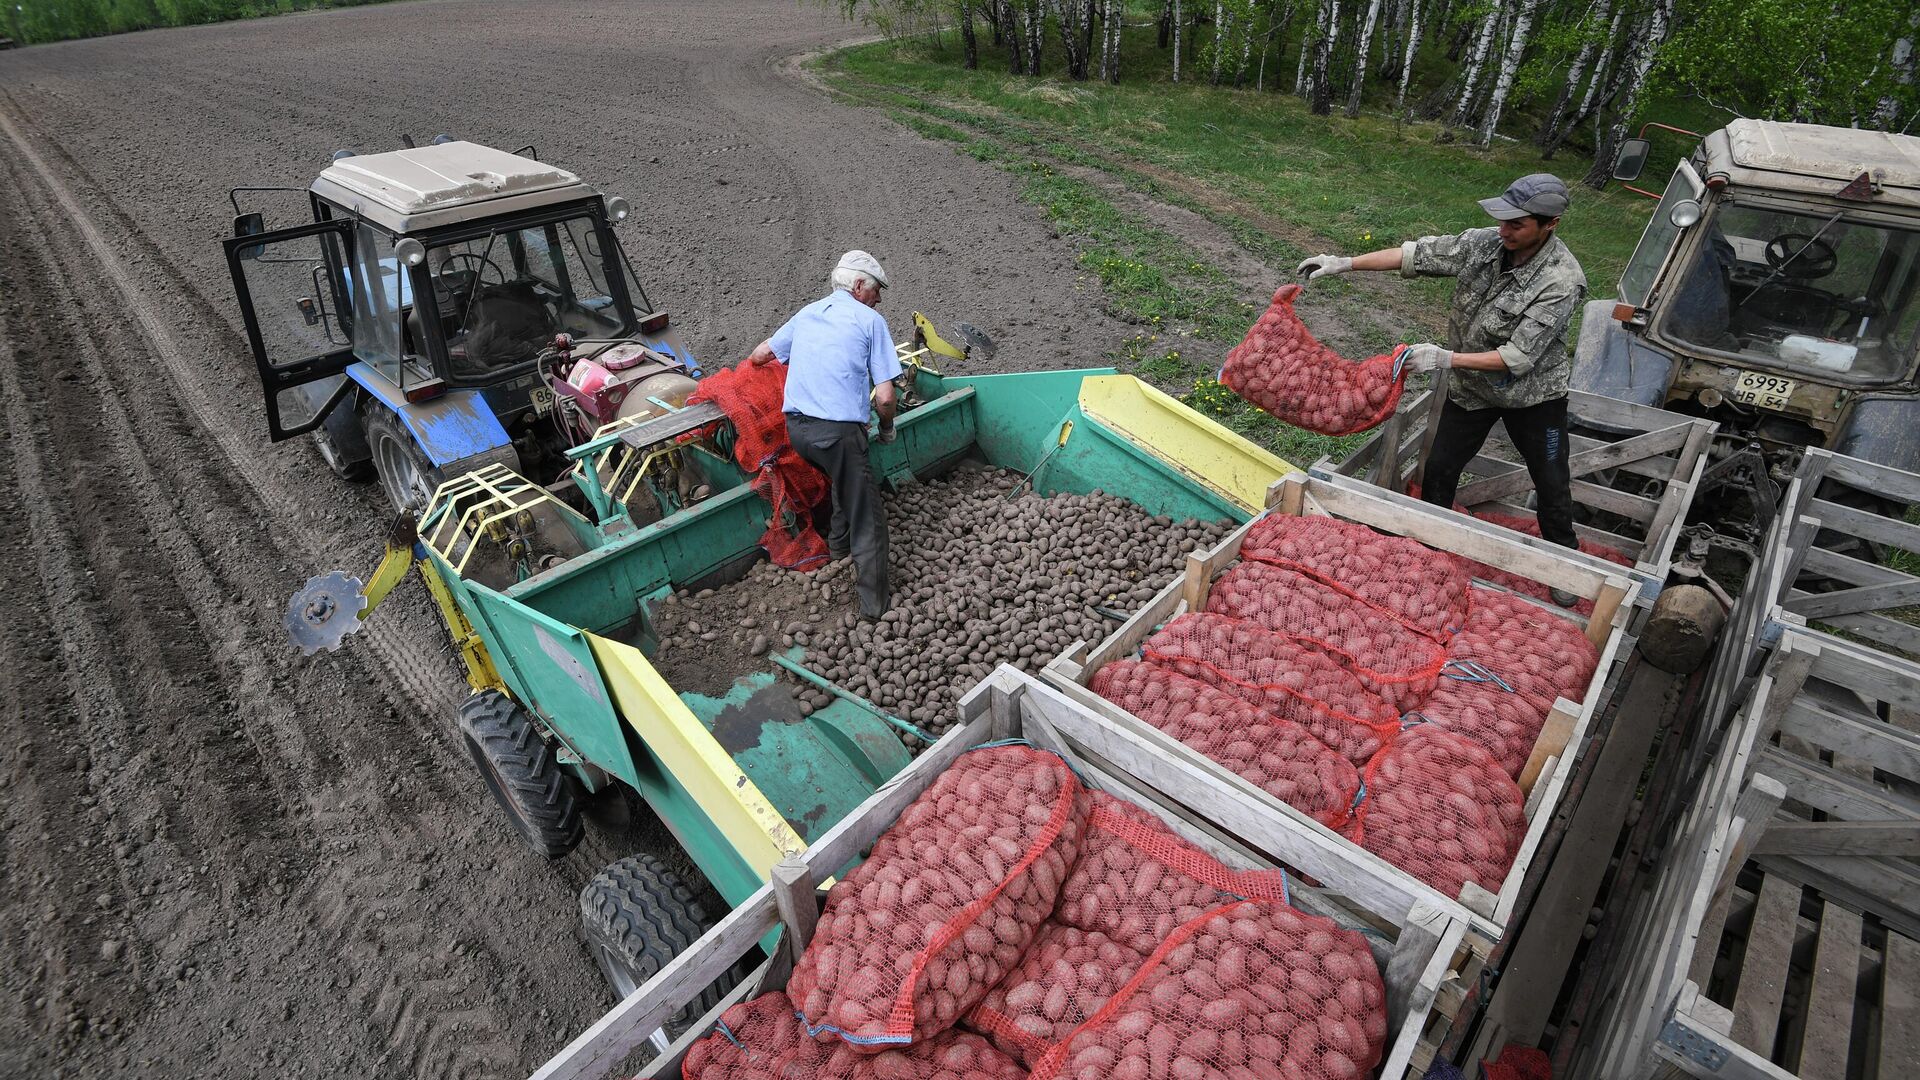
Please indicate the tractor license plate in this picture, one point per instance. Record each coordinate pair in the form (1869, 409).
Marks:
(1766, 391)
(542, 398)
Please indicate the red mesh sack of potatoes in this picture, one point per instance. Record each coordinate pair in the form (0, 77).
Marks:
(1424, 588)
(1289, 678)
(1507, 579)
(1241, 985)
(765, 1039)
(1278, 756)
(1391, 658)
(1441, 808)
(1505, 669)
(1281, 368)
(1135, 884)
(947, 902)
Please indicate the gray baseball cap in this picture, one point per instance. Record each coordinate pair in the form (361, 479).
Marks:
(1536, 193)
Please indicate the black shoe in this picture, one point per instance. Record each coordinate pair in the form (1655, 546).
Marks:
(1563, 598)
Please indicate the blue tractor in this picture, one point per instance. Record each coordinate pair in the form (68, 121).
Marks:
(450, 307)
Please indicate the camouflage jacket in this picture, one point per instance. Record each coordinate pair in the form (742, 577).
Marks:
(1523, 313)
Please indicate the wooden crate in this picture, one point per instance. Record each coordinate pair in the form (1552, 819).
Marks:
(1419, 948)
(1828, 541)
(1794, 983)
(1625, 446)
(1545, 777)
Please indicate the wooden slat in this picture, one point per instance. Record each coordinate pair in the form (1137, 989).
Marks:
(1859, 838)
(1690, 1030)
(1846, 797)
(1763, 974)
(1551, 743)
(1582, 463)
(1879, 629)
(1751, 817)
(1865, 475)
(668, 1061)
(1836, 971)
(1900, 1008)
(794, 898)
(1866, 598)
(1888, 889)
(1889, 748)
(1865, 524)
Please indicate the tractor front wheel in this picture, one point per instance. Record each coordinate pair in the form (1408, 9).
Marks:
(521, 771)
(406, 474)
(637, 915)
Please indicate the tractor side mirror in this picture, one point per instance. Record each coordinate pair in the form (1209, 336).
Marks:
(250, 225)
(1631, 161)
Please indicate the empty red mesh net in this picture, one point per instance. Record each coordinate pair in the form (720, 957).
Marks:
(1159, 953)
(752, 396)
(1391, 658)
(1289, 678)
(1278, 756)
(1284, 370)
(764, 1039)
(1441, 808)
(1424, 588)
(946, 903)
(1506, 667)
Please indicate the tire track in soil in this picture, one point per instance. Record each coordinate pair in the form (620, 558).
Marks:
(149, 541)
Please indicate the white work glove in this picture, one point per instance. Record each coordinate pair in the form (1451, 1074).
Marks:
(1324, 266)
(1426, 357)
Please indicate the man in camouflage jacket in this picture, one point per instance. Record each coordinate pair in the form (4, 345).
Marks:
(1518, 287)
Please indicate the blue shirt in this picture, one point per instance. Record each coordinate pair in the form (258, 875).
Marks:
(837, 350)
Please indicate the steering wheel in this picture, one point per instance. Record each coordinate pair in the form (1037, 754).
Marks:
(445, 272)
(1816, 257)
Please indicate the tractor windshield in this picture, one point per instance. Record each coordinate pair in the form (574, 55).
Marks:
(1821, 293)
(503, 296)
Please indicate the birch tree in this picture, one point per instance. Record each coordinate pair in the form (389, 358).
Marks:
(1406, 62)
(1076, 35)
(1476, 65)
(1360, 58)
(1646, 48)
(1591, 41)
(1522, 26)
(1176, 40)
(1112, 20)
(1321, 101)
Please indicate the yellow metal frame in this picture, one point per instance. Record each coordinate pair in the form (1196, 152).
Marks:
(690, 754)
(505, 492)
(1198, 447)
(481, 674)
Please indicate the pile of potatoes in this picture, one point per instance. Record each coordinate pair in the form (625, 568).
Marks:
(981, 574)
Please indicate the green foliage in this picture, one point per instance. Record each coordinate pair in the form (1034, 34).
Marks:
(1791, 59)
(38, 21)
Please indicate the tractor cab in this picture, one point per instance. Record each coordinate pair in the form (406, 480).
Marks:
(419, 326)
(1775, 290)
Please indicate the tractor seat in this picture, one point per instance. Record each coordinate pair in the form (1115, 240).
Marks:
(507, 325)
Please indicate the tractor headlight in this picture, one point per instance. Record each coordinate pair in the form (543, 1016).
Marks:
(1684, 214)
(410, 251)
(618, 209)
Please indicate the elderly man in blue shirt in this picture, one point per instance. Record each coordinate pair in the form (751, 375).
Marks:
(840, 367)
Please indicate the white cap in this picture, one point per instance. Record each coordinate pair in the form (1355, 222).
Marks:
(864, 263)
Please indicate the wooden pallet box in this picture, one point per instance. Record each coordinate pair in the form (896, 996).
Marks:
(1838, 575)
(1419, 948)
(1634, 467)
(1222, 794)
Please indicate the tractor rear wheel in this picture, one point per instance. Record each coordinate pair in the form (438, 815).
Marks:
(406, 474)
(637, 915)
(522, 772)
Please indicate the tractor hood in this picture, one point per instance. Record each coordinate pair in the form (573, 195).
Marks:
(1815, 160)
(425, 186)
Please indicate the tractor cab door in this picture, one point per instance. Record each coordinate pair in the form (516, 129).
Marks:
(292, 287)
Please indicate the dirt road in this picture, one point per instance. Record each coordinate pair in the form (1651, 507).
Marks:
(221, 859)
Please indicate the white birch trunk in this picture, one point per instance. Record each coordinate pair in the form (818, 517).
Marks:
(1320, 101)
(1307, 48)
(1476, 63)
(1406, 62)
(1517, 41)
(1590, 100)
(1246, 46)
(1176, 40)
(1360, 60)
(1219, 36)
(1889, 109)
(1646, 48)
(1576, 71)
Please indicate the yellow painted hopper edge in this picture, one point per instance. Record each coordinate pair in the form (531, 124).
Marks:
(1198, 447)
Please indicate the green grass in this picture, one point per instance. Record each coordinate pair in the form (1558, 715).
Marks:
(1234, 156)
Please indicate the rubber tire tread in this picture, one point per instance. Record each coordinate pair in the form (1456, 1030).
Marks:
(383, 423)
(544, 809)
(645, 915)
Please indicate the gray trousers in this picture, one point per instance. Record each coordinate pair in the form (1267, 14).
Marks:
(839, 449)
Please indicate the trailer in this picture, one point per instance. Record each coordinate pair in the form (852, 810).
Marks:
(1416, 946)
